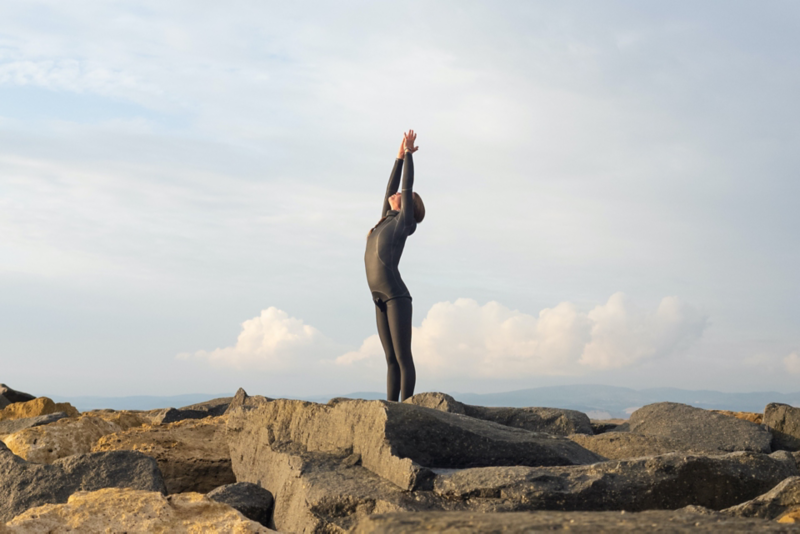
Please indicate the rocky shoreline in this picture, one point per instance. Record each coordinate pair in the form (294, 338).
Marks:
(255, 464)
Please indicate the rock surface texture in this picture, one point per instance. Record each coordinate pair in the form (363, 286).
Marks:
(573, 522)
(46, 444)
(214, 407)
(782, 498)
(624, 445)
(192, 455)
(550, 420)
(24, 485)
(699, 429)
(670, 481)
(398, 441)
(134, 511)
(784, 421)
(16, 425)
(35, 408)
(253, 501)
(753, 417)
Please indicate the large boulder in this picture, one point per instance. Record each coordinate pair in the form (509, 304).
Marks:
(13, 395)
(214, 407)
(36, 407)
(573, 522)
(669, 481)
(24, 485)
(193, 455)
(253, 501)
(129, 510)
(784, 421)
(551, 420)
(398, 441)
(241, 398)
(16, 425)
(624, 445)
(46, 444)
(771, 505)
(324, 491)
(125, 419)
(699, 429)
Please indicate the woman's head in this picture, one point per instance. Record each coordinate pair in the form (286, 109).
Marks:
(396, 202)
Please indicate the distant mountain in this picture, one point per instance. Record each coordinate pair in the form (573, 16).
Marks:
(598, 401)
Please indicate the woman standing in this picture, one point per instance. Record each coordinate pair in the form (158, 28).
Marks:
(385, 242)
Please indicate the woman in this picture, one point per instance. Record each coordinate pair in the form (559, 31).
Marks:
(400, 214)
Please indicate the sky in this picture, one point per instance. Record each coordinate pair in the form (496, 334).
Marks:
(186, 187)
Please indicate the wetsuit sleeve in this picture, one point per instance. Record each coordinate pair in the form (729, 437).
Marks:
(407, 209)
(394, 183)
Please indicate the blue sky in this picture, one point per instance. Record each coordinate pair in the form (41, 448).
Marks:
(185, 191)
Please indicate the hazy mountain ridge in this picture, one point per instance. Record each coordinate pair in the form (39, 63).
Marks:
(598, 401)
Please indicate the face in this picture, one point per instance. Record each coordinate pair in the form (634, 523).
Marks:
(395, 201)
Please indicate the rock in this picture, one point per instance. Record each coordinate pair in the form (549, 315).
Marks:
(605, 425)
(551, 420)
(574, 522)
(253, 501)
(46, 444)
(125, 419)
(129, 510)
(753, 417)
(171, 415)
(214, 407)
(15, 425)
(243, 399)
(14, 396)
(398, 441)
(780, 499)
(624, 445)
(323, 491)
(193, 455)
(4, 402)
(699, 429)
(669, 481)
(24, 485)
(790, 517)
(36, 407)
(784, 421)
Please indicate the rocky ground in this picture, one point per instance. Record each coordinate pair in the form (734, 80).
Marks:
(430, 464)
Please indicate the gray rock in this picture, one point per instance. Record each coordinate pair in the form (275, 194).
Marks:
(253, 501)
(24, 485)
(241, 398)
(784, 421)
(669, 481)
(624, 445)
(173, 415)
(13, 396)
(772, 504)
(699, 429)
(603, 426)
(214, 407)
(574, 522)
(4, 402)
(15, 425)
(397, 441)
(551, 420)
(324, 491)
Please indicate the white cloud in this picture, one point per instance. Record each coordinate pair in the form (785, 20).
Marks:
(792, 363)
(271, 341)
(464, 338)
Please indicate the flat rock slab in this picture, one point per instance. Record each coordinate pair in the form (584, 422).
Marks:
(771, 505)
(397, 441)
(666, 482)
(214, 407)
(46, 444)
(16, 425)
(784, 421)
(625, 445)
(13, 395)
(699, 429)
(25, 485)
(126, 510)
(325, 492)
(192, 455)
(573, 522)
(554, 421)
(253, 501)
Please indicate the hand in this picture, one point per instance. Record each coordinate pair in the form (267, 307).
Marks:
(408, 141)
(401, 154)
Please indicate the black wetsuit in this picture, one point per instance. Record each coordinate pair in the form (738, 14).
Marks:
(392, 300)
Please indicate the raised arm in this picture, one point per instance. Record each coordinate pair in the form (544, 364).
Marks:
(394, 183)
(407, 194)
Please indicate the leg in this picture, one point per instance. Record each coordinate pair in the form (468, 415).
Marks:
(399, 315)
(393, 371)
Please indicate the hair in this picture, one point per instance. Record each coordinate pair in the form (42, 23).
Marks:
(419, 212)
